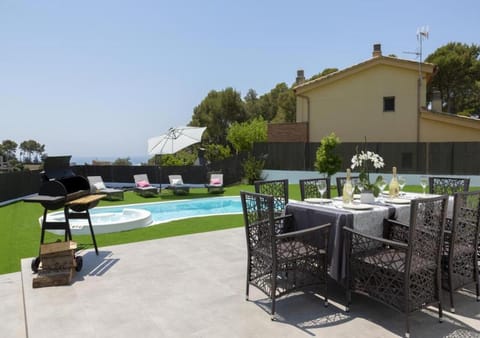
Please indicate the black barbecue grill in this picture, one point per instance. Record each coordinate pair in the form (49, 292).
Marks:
(59, 180)
(61, 188)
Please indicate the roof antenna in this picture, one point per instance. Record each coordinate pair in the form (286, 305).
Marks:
(422, 33)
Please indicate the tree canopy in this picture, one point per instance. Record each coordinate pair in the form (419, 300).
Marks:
(122, 161)
(458, 76)
(217, 112)
(220, 109)
(324, 72)
(31, 151)
(8, 149)
(242, 136)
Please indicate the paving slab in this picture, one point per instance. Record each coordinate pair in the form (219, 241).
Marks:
(194, 286)
(12, 309)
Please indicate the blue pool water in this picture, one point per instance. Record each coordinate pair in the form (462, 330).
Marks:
(168, 211)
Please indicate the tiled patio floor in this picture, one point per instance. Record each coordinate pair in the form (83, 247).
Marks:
(194, 286)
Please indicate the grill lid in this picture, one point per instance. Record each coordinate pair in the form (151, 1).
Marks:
(57, 168)
(60, 180)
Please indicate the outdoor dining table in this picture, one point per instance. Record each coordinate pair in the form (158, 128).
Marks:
(367, 218)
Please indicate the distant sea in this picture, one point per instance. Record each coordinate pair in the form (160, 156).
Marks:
(79, 160)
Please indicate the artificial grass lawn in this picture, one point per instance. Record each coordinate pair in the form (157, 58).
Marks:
(20, 230)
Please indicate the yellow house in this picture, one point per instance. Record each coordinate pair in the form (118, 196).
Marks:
(379, 99)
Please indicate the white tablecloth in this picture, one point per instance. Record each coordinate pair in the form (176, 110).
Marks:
(367, 221)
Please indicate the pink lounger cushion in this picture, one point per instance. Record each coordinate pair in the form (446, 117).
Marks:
(215, 181)
(143, 184)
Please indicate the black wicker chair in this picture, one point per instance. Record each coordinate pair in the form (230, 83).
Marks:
(447, 185)
(401, 270)
(279, 262)
(460, 261)
(309, 189)
(276, 188)
(341, 181)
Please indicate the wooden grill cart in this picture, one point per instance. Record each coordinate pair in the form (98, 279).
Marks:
(62, 188)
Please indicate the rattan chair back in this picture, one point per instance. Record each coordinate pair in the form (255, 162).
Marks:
(276, 188)
(309, 188)
(403, 270)
(447, 185)
(281, 262)
(460, 261)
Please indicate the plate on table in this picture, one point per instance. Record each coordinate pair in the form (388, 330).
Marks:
(318, 200)
(397, 200)
(340, 198)
(357, 206)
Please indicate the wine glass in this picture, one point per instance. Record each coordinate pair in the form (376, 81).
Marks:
(360, 187)
(322, 187)
(424, 183)
(401, 183)
(381, 184)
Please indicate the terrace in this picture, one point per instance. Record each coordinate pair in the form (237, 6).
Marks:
(194, 286)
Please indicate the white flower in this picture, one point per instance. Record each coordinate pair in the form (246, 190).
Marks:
(359, 159)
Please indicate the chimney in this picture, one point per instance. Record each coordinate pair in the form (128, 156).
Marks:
(300, 76)
(377, 50)
(436, 101)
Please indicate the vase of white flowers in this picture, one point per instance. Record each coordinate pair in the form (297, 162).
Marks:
(363, 161)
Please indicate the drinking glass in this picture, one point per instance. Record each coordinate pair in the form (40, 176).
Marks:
(401, 183)
(322, 187)
(424, 183)
(381, 184)
(360, 187)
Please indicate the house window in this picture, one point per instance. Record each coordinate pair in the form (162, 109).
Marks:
(388, 103)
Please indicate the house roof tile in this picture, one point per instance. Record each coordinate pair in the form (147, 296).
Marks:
(427, 68)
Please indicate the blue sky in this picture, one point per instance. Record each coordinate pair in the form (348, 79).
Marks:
(97, 78)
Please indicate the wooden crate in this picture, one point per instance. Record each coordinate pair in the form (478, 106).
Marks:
(54, 247)
(57, 264)
(52, 278)
(57, 256)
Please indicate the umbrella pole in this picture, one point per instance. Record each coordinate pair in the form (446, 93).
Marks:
(158, 160)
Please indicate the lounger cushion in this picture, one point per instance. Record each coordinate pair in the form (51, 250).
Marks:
(99, 185)
(177, 181)
(143, 184)
(215, 181)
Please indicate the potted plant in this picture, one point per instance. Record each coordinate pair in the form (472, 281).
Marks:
(327, 161)
(362, 161)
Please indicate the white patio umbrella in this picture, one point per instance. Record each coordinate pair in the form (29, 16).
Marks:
(174, 140)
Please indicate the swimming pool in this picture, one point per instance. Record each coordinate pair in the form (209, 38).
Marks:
(132, 216)
(168, 211)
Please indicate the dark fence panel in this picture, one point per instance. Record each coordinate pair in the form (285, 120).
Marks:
(409, 158)
(18, 184)
(446, 158)
(231, 168)
(15, 185)
(156, 175)
(120, 173)
(285, 155)
(466, 159)
(311, 153)
(440, 158)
